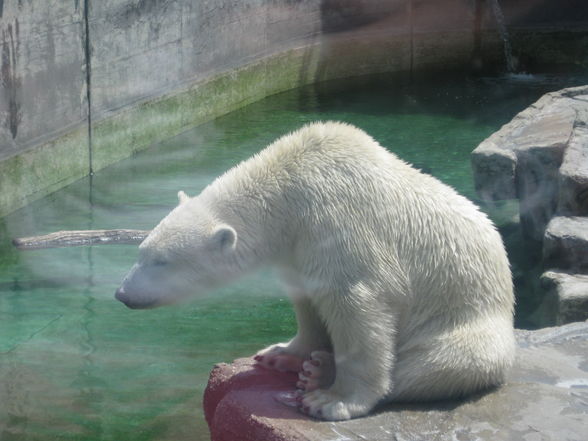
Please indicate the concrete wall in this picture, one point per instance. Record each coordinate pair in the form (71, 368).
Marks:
(85, 83)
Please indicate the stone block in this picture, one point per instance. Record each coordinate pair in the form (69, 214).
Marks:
(494, 171)
(495, 160)
(565, 245)
(566, 295)
(544, 398)
(540, 147)
(539, 158)
(573, 175)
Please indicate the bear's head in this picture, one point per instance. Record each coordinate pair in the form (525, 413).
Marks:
(188, 252)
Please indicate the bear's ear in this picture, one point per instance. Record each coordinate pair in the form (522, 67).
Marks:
(183, 197)
(224, 238)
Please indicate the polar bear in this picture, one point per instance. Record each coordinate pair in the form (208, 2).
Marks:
(401, 287)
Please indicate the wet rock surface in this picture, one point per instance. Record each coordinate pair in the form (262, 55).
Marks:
(565, 244)
(541, 158)
(523, 159)
(566, 299)
(573, 184)
(545, 398)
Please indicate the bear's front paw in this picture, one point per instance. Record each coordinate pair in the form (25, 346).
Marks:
(278, 357)
(318, 372)
(329, 405)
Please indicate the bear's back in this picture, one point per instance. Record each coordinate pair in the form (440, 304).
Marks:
(363, 200)
(335, 174)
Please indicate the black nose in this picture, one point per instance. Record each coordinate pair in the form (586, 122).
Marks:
(134, 301)
(121, 295)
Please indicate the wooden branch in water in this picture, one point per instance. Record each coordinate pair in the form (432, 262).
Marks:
(81, 238)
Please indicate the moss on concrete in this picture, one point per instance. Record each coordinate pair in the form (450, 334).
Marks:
(41, 171)
(135, 128)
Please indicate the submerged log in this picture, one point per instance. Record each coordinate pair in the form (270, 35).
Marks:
(80, 238)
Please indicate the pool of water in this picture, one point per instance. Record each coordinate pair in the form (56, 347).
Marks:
(77, 365)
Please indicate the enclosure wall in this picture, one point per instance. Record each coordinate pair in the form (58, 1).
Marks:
(85, 83)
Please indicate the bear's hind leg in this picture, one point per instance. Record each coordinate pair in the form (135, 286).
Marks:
(311, 336)
(363, 342)
(454, 363)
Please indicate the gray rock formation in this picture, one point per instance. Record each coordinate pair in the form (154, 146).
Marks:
(523, 158)
(573, 182)
(541, 158)
(566, 299)
(545, 398)
(565, 244)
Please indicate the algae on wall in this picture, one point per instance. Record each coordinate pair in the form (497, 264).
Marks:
(86, 83)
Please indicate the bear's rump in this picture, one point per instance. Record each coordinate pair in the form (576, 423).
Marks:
(453, 362)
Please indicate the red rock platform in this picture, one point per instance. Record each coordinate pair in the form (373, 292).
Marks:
(240, 404)
(545, 398)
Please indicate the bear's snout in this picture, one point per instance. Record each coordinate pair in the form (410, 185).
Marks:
(121, 296)
(133, 302)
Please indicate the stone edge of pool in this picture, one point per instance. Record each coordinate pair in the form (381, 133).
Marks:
(43, 169)
(544, 398)
(39, 170)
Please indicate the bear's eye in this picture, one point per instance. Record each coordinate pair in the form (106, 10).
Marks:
(159, 262)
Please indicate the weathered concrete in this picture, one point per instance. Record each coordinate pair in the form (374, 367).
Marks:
(42, 87)
(42, 100)
(90, 82)
(567, 297)
(35, 173)
(545, 398)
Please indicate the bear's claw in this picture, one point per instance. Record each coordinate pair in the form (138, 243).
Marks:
(318, 372)
(279, 361)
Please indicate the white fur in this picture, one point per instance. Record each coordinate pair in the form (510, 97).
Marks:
(406, 281)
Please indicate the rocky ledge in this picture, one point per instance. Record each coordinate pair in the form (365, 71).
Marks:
(545, 398)
(566, 299)
(565, 244)
(541, 158)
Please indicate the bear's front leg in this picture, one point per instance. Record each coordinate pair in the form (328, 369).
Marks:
(311, 336)
(363, 343)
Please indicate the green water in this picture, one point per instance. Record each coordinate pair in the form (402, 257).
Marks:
(77, 365)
